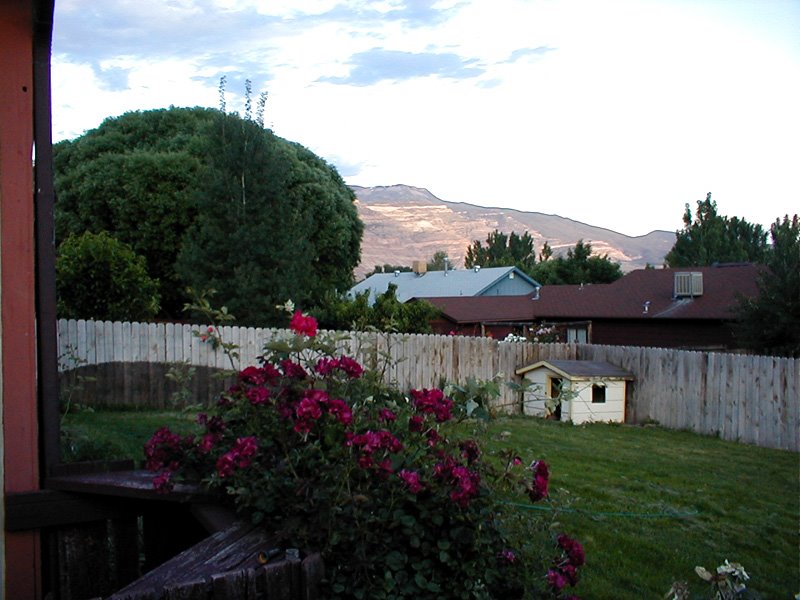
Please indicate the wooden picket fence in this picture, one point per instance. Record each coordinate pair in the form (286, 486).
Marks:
(752, 399)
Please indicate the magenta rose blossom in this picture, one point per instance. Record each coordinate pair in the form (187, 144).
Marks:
(303, 324)
(541, 476)
(411, 479)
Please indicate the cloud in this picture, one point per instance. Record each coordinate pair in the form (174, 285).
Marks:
(113, 79)
(344, 167)
(89, 32)
(522, 52)
(379, 64)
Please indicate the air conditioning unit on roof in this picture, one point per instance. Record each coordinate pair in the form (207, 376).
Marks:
(688, 285)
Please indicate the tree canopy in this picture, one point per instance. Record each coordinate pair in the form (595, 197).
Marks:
(438, 261)
(710, 238)
(578, 266)
(135, 177)
(770, 322)
(212, 200)
(386, 314)
(501, 250)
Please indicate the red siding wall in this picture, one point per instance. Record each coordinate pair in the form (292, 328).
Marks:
(22, 568)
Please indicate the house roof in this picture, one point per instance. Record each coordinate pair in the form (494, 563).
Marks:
(580, 369)
(641, 294)
(479, 309)
(451, 283)
(649, 294)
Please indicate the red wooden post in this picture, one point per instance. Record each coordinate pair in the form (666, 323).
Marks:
(18, 395)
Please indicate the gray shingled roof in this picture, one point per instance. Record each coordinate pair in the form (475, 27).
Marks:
(457, 282)
(580, 369)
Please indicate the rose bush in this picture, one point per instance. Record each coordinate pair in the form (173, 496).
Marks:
(384, 485)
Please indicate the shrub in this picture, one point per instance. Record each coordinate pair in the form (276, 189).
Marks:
(99, 277)
(399, 504)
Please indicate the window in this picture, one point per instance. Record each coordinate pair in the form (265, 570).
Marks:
(598, 393)
(578, 335)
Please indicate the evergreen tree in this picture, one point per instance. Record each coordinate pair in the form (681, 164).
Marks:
(275, 222)
(712, 238)
(438, 261)
(770, 322)
(502, 250)
(266, 231)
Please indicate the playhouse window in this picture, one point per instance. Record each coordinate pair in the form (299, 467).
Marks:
(598, 393)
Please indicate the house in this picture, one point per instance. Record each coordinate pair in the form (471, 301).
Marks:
(580, 391)
(491, 281)
(673, 308)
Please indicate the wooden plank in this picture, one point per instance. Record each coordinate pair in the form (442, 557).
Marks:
(710, 395)
(51, 508)
(63, 339)
(231, 551)
(91, 342)
(171, 333)
(229, 586)
(312, 572)
(277, 580)
(80, 342)
(791, 398)
(188, 590)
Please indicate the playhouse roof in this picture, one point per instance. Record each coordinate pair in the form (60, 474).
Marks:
(580, 369)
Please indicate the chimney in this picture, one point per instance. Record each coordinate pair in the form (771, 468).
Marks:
(419, 267)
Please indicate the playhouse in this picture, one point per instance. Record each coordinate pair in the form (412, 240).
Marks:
(579, 391)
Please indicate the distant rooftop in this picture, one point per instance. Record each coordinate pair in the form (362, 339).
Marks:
(454, 282)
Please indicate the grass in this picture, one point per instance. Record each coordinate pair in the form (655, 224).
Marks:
(648, 504)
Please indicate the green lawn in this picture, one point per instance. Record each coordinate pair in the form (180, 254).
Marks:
(649, 504)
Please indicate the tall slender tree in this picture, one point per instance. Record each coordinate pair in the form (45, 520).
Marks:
(770, 322)
(710, 238)
(501, 250)
(275, 222)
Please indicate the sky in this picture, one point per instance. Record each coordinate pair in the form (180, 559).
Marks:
(615, 113)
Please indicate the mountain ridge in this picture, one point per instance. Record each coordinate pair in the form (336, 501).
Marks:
(404, 223)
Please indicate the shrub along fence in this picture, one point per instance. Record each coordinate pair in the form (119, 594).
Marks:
(753, 399)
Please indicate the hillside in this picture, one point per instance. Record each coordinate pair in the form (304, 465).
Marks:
(404, 223)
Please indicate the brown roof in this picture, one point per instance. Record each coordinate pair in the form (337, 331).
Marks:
(641, 294)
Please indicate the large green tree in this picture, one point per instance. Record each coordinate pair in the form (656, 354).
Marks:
(269, 220)
(501, 250)
(135, 176)
(710, 238)
(770, 322)
(274, 222)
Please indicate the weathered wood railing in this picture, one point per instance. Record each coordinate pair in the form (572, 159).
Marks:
(109, 534)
